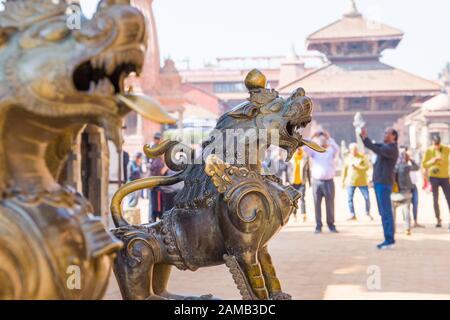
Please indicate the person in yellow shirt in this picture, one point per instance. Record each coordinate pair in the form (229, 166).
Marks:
(354, 177)
(435, 162)
(298, 172)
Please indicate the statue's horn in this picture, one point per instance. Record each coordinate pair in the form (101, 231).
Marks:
(147, 183)
(166, 148)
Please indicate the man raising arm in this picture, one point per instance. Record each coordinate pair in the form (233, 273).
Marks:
(383, 178)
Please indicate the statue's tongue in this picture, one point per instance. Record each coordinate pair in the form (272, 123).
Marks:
(143, 105)
(313, 145)
(146, 107)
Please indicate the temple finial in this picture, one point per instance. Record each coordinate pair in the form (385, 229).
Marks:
(352, 10)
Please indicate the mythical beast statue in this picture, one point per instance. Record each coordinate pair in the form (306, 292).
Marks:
(53, 81)
(227, 211)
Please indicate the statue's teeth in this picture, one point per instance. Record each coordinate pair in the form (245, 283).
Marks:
(119, 58)
(104, 87)
(122, 81)
(126, 59)
(132, 58)
(110, 64)
(92, 86)
(109, 88)
(95, 62)
(100, 86)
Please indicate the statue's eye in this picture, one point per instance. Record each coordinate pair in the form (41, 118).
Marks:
(42, 33)
(55, 31)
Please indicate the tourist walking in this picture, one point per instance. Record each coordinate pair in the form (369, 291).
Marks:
(415, 178)
(125, 162)
(436, 163)
(402, 195)
(156, 169)
(299, 175)
(134, 172)
(323, 171)
(354, 176)
(383, 179)
(274, 164)
(169, 192)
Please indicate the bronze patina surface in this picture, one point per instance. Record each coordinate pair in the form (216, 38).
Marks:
(54, 81)
(227, 212)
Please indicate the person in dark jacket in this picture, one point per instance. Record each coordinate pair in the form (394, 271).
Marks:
(157, 168)
(402, 197)
(169, 192)
(134, 173)
(383, 179)
(126, 161)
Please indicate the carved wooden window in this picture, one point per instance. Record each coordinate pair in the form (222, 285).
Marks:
(359, 48)
(386, 105)
(357, 104)
(329, 105)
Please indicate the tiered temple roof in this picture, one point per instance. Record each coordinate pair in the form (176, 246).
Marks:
(356, 79)
(353, 26)
(353, 45)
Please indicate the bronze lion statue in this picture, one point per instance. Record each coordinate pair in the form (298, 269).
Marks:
(227, 211)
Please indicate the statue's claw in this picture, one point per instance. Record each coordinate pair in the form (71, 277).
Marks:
(281, 296)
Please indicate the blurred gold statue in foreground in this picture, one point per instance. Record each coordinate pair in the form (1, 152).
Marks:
(54, 81)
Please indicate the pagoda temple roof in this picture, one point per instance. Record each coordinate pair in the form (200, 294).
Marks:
(361, 79)
(436, 109)
(354, 27)
(441, 102)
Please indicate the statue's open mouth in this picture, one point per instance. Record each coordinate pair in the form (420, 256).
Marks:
(105, 74)
(295, 127)
(294, 130)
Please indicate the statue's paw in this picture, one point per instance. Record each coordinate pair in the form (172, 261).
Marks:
(281, 296)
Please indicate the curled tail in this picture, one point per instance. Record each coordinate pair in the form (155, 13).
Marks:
(175, 156)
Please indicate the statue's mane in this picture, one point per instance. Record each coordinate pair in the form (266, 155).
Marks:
(199, 190)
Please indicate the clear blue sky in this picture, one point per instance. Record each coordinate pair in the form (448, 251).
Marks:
(202, 30)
